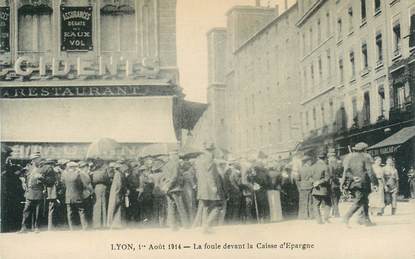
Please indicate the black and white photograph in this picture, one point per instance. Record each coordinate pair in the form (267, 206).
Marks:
(207, 129)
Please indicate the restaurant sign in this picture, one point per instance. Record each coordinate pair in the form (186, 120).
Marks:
(4, 29)
(76, 28)
(384, 150)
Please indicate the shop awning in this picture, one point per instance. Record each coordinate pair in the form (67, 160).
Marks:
(84, 120)
(390, 144)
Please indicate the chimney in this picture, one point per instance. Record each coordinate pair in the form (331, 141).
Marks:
(257, 3)
(277, 10)
(286, 4)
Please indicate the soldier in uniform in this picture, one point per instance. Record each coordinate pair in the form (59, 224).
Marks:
(74, 188)
(34, 193)
(357, 177)
(335, 192)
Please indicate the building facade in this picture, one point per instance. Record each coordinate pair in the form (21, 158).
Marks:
(252, 83)
(73, 71)
(348, 49)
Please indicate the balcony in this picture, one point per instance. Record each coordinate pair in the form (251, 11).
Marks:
(403, 112)
(379, 64)
(397, 54)
(364, 71)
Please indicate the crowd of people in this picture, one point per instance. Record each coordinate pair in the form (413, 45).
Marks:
(203, 190)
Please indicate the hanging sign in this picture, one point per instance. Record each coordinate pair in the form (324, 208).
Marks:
(76, 28)
(4, 29)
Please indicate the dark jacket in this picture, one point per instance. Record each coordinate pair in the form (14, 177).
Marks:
(35, 185)
(74, 187)
(358, 171)
(320, 178)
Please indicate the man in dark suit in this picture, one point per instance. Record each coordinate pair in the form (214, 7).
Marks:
(72, 180)
(358, 175)
(51, 182)
(335, 192)
(321, 188)
(34, 193)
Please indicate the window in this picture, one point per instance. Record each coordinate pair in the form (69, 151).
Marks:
(366, 108)
(34, 29)
(311, 39)
(314, 118)
(339, 28)
(305, 82)
(318, 31)
(323, 116)
(279, 130)
(396, 38)
(343, 117)
(354, 108)
(402, 95)
(290, 126)
(364, 56)
(118, 29)
(363, 10)
(352, 64)
(381, 100)
(328, 55)
(341, 70)
(379, 48)
(412, 29)
(304, 45)
(312, 74)
(377, 6)
(307, 121)
(331, 110)
(328, 24)
(350, 13)
(320, 69)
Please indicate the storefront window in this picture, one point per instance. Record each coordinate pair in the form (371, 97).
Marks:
(34, 29)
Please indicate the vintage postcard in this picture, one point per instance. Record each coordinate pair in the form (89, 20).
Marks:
(207, 129)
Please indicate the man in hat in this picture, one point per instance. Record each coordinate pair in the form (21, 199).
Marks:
(74, 186)
(87, 195)
(100, 181)
(51, 182)
(305, 186)
(210, 189)
(335, 191)
(172, 186)
(357, 172)
(145, 192)
(34, 193)
(321, 188)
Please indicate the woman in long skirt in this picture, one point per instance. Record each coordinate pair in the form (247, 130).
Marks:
(116, 202)
(391, 184)
(377, 198)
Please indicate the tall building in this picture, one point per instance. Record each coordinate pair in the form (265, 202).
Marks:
(73, 71)
(349, 49)
(253, 103)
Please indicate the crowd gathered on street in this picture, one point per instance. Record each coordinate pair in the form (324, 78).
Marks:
(202, 189)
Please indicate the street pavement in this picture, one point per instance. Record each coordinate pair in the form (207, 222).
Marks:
(392, 237)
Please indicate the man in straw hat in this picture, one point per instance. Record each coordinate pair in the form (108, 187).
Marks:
(357, 172)
(34, 193)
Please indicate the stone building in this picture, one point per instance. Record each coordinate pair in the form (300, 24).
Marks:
(253, 103)
(348, 48)
(73, 71)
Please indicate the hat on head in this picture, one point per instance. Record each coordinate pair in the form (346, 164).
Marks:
(48, 161)
(83, 164)
(72, 164)
(35, 155)
(321, 154)
(62, 161)
(306, 158)
(360, 146)
(210, 146)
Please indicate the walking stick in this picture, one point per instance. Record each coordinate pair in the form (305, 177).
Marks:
(256, 208)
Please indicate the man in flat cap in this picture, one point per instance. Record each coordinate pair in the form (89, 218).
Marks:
(51, 182)
(321, 188)
(34, 193)
(357, 172)
(335, 175)
(74, 186)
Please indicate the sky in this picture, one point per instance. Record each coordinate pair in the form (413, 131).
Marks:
(194, 19)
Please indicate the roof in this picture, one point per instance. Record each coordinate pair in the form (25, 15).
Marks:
(398, 138)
